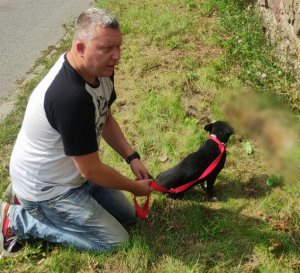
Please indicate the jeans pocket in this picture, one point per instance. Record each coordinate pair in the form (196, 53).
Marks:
(62, 206)
(37, 213)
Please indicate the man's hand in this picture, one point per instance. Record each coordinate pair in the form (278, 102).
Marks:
(142, 187)
(139, 169)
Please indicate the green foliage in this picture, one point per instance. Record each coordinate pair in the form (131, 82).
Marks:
(247, 147)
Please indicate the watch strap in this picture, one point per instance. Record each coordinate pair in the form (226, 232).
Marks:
(134, 155)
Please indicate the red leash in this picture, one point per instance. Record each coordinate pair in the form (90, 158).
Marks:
(143, 212)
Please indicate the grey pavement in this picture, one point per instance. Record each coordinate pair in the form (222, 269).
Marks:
(27, 28)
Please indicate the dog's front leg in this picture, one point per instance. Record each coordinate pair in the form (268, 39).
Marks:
(210, 188)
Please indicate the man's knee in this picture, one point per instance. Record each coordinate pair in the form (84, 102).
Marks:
(112, 243)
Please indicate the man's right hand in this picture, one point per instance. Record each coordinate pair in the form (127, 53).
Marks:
(142, 187)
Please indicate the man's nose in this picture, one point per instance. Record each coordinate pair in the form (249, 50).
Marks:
(116, 53)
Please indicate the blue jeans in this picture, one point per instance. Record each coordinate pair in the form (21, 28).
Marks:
(89, 217)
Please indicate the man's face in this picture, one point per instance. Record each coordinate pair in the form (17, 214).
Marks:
(102, 54)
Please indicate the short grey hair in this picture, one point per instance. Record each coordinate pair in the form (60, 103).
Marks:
(89, 20)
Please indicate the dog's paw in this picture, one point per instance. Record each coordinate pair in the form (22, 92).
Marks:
(213, 199)
(203, 186)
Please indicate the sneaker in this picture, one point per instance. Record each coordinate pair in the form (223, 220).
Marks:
(9, 244)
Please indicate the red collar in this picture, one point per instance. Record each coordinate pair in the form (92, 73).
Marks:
(215, 139)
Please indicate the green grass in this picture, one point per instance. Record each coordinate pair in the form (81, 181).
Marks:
(181, 62)
(249, 51)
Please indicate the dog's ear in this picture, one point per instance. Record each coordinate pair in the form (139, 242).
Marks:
(230, 131)
(208, 127)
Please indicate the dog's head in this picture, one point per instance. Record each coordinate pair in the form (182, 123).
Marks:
(221, 129)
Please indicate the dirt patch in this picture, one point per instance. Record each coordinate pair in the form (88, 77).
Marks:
(256, 186)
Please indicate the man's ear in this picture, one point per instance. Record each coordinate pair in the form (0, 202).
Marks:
(208, 127)
(80, 47)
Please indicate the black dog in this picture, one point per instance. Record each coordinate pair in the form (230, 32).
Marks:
(191, 167)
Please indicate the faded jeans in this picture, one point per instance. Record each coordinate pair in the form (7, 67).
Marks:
(89, 217)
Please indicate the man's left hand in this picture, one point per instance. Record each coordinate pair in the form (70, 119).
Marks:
(139, 169)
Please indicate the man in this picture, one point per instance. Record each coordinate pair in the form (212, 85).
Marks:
(67, 194)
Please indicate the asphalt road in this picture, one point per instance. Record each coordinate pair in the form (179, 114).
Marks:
(27, 28)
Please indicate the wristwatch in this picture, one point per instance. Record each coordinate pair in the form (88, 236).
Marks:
(133, 156)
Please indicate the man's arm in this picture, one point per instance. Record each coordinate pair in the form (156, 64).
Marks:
(113, 135)
(94, 170)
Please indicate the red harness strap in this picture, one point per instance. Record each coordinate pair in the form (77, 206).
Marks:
(143, 212)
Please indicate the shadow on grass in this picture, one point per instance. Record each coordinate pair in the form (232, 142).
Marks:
(185, 233)
(193, 234)
(255, 187)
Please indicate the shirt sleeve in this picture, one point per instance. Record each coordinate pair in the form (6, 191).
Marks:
(75, 121)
